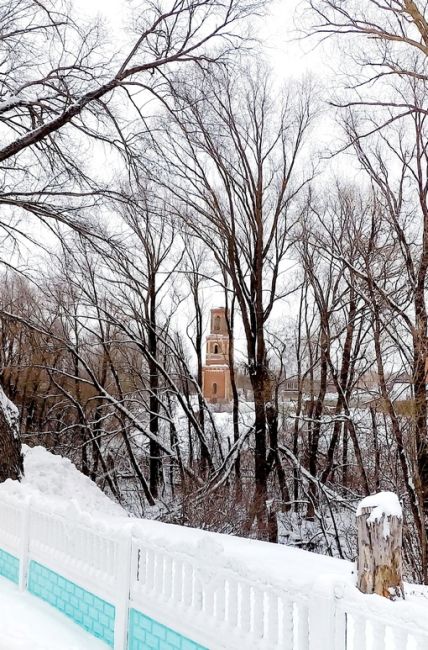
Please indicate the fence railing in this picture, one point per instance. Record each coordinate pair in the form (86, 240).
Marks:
(137, 584)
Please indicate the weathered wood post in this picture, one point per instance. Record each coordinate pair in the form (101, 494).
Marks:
(380, 532)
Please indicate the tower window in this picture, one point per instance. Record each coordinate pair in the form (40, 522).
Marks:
(217, 324)
(214, 388)
(216, 349)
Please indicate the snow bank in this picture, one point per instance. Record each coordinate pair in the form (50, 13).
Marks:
(55, 481)
(265, 563)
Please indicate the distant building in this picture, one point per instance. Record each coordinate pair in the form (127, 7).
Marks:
(289, 387)
(400, 386)
(216, 372)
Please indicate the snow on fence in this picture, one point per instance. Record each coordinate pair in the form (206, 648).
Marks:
(139, 584)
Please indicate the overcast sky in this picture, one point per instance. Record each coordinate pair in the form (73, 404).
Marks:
(290, 57)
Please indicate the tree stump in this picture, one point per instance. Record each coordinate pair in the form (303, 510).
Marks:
(11, 462)
(380, 532)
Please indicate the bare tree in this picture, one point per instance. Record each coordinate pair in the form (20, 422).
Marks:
(232, 152)
(385, 117)
(70, 84)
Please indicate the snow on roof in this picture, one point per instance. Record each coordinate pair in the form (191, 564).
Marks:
(383, 503)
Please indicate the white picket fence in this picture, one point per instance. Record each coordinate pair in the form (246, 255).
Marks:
(221, 592)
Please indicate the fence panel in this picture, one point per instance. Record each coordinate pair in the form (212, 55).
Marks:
(81, 552)
(376, 623)
(215, 604)
(182, 584)
(13, 513)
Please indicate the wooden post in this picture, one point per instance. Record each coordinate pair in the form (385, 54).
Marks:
(380, 531)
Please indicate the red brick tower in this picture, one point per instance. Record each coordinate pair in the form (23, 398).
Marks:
(216, 373)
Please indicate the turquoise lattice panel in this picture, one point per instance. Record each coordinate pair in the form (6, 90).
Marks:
(9, 566)
(95, 615)
(147, 634)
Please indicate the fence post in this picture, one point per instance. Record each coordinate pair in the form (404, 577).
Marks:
(340, 620)
(24, 546)
(122, 603)
(322, 615)
(380, 531)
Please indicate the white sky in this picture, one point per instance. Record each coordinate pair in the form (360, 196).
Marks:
(290, 57)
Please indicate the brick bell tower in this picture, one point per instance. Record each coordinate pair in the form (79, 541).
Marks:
(216, 373)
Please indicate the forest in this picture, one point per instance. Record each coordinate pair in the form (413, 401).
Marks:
(153, 173)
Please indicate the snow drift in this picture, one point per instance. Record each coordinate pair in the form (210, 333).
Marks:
(55, 479)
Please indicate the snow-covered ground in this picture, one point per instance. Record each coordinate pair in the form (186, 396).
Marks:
(26, 623)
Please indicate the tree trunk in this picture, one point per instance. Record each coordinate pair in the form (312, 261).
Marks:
(11, 460)
(379, 553)
(317, 414)
(260, 451)
(230, 319)
(341, 382)
(155, 462)
(260, 385)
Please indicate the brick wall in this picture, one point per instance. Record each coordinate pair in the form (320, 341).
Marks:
(147, 634)
(95, 615)
(9, 566)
